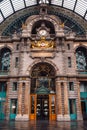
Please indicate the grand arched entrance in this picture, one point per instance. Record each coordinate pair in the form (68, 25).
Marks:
(42, 98)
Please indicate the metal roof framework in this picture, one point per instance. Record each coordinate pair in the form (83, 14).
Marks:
(9, 7)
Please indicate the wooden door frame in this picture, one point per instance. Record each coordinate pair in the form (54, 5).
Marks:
(51, 116)
(33, 115)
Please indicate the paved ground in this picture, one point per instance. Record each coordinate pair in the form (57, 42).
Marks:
(43, 125)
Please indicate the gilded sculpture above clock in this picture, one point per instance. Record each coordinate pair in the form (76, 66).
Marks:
(42, 44)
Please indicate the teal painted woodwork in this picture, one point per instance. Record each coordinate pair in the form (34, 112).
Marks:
(3, 89)
(2, 110)
(72, 109)
(13, 109)
(73, 116)
(2, 99)
(82, 72)
(83, 94)
(12, 116)
(2, 94)
(42, 90)
(2, 72)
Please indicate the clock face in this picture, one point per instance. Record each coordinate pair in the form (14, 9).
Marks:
(43, 32)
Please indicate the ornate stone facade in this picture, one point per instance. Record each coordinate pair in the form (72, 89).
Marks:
(29, 49)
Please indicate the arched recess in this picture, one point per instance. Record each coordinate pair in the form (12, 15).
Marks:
(5, 54)
(29, 69)
(43, 78)
(42, 91)
(52, 21)
(81, 58)
(47, 23)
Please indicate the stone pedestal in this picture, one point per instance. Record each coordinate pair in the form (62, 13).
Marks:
(20, 117)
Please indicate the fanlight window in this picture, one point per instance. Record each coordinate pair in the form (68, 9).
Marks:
(43, 78)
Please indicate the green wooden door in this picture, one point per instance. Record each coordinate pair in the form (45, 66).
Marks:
(2, 110)
(13, 109)
(3, 89)
(83, 96)
(72, 109)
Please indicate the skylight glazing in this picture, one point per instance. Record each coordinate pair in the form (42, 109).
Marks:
(9, 7)
(81, 7)
(18, 4)
(56, 2)
(1, 18)
(86, 17)
(6, 8)
(30, 2)
(69, 4)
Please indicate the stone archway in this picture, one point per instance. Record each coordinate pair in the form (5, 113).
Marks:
(30, 67)
(42, 91)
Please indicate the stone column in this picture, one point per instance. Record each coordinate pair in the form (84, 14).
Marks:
(27, 100)
(58, 101)
(66, 103)
(19, 114)
(78, 103)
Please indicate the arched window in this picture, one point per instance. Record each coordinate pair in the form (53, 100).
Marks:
(5, 59)
(81, 58)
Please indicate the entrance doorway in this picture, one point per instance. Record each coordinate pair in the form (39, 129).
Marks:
(43, 107)
(42, 110)
(42, 97)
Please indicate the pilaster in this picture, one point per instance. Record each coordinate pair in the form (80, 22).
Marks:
(23, 100)
(78, 102)
(58, 101)
(62, 100)
(27, 99)
(19, 114)
(66, 103)
(7, 101)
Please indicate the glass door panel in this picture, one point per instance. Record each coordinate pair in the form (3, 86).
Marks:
(42, 107)
(46, 108)
(84, 109)
(33, 98)
(52, 109)
(13, 108)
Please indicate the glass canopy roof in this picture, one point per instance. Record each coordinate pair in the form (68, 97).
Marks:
(8, 7)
